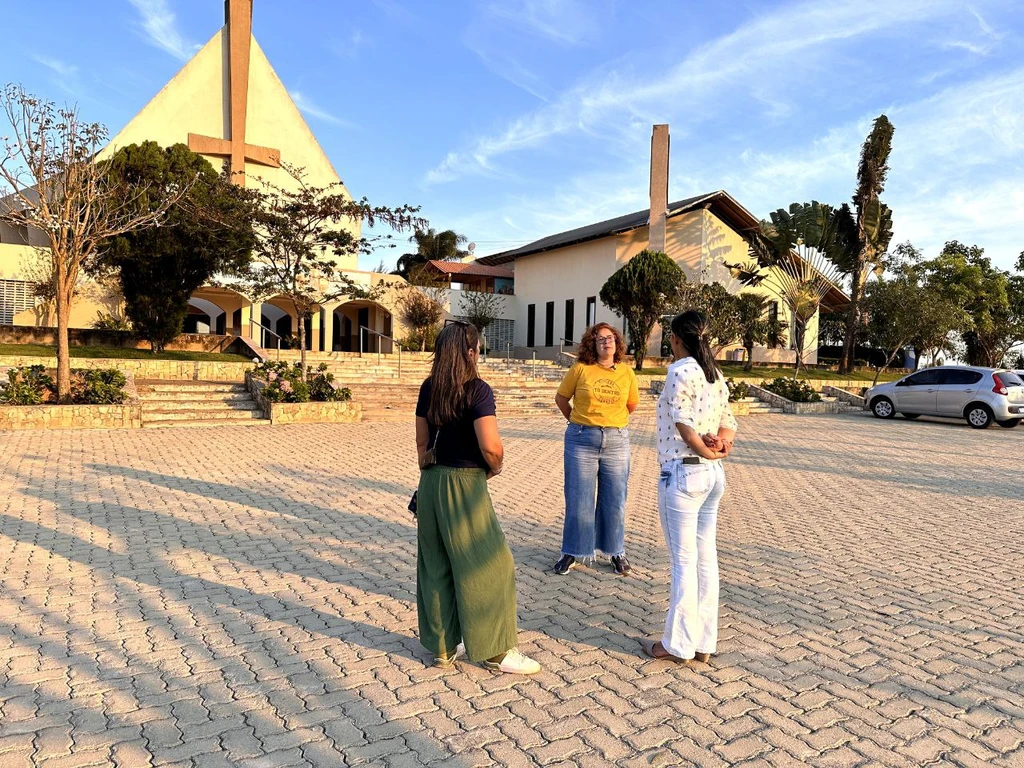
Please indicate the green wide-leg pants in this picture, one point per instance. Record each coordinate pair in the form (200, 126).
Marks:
(465, 576)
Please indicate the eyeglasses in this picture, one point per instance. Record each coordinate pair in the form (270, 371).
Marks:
(605, 339)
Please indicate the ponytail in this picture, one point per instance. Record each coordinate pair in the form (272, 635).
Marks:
(691, 328)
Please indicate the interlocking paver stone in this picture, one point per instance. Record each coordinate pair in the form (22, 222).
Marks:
(247, 597)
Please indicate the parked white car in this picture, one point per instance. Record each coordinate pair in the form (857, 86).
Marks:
(978, 395)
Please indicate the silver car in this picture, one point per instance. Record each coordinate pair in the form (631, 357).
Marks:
(979, 395)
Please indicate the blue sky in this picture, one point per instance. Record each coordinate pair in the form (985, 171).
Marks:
(508, 120)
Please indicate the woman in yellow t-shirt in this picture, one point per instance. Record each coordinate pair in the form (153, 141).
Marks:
(596, 397)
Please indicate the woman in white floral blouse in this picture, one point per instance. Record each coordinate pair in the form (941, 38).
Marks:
(695, 432)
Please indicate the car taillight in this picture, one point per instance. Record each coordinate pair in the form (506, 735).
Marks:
(999, 388)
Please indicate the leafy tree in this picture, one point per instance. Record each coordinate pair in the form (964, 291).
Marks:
(755, 327)
(873, 226)
(992, 299)
(420, 310)
(300, 234)
(55, 188)
(209, 231)
(430, 246)
(720, 308)
(893, 321)
(642, 291)
(482, 309)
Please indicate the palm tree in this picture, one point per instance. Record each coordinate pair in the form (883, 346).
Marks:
(431, 246)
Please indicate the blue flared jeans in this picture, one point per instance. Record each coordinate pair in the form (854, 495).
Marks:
(596, 479)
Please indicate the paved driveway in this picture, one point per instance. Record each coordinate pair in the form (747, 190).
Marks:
(245, 597)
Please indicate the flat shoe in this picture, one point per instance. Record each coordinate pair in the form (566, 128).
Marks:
(648, 646)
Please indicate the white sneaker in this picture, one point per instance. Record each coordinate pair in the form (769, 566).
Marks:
(446, 661)
(514, 663)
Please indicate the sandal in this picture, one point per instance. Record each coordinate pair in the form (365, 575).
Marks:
(649, 645)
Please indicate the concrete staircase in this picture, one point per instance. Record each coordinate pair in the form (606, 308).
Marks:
(197, 404)
(751, 406)
(844, 407)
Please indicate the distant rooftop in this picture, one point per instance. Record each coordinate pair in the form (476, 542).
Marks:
(721, 202)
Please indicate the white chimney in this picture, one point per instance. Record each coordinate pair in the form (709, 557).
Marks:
(659, 188)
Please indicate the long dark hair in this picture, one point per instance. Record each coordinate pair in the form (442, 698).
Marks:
(454, 367)
(691, 328)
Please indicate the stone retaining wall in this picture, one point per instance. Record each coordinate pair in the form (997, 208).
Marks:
(91, 337)
(788, 406)
(844, 396)
(127, 416)
(337, 412)
(163, 370)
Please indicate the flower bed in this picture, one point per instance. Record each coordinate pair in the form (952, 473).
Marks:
(28, 400)
(287, 397)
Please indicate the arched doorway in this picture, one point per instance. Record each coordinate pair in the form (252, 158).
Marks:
(204, 317)
(353, 318)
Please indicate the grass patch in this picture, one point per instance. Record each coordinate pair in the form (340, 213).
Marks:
(808, 374)
(119, 353)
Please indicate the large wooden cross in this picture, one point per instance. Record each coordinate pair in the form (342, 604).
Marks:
(239, 23)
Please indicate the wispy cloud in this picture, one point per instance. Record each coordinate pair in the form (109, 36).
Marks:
(739, 64)
(350, 48)
(160, 26)
(563, 21)
(66, 76)
(308, 107)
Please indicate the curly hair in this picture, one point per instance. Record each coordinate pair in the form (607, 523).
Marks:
(587, 350)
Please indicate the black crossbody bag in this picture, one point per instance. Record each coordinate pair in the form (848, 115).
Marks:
(429, 460)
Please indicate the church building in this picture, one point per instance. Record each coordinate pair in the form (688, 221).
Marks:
(228, 105)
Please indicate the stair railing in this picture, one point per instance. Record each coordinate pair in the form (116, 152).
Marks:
(272, 332)
(394, 344)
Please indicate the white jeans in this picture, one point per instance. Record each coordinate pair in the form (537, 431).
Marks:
(688, 498)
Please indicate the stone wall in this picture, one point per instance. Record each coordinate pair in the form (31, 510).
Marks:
(844, 396)
(341, 412)
(788, 406)
(90, 337)
(127, 416)
(163, 370)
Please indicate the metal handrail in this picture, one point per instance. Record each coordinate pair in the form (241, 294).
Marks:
(566, 341)
(381, 335)
(271, 331)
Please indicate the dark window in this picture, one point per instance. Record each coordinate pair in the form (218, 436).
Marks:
(958, 377)
(1009, 379)
(773, 317)
(531, 323)
(927, 377)
(591, 310)
(570, 316)
(549, 329)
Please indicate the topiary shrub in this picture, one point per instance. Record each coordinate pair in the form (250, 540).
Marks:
(792, 389)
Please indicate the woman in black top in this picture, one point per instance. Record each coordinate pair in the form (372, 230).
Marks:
(465, 585)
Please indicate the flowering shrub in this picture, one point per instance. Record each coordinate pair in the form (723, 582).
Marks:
(792, 389)
(34, 386)
(738, 390)
(286, 384)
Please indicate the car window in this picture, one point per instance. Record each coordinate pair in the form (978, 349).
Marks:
(1010, 379)
(958, 376)
(927, 376)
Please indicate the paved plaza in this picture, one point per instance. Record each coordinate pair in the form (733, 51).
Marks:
(246, 597)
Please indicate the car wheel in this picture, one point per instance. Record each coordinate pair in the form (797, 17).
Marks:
(882, 408)
(1009, 423)
(911, 416)
(979, 416)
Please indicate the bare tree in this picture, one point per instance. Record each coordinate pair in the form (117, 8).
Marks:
(300, 235)
(51, 185)
(482, 309)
